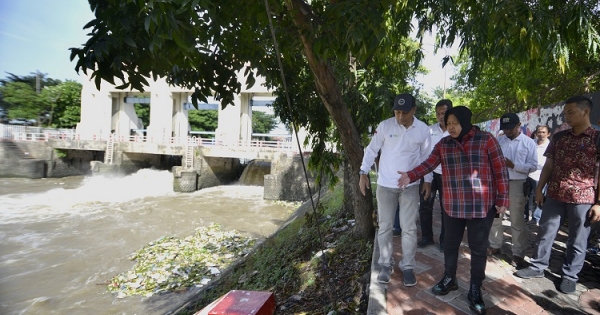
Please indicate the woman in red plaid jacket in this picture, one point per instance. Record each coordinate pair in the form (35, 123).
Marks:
(475, 186)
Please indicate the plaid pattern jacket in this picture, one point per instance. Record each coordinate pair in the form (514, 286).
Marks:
(475, 177)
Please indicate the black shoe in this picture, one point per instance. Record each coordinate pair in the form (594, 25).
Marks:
(444, 287)
(567, 286)
(424, 243)
(519, 263)
(475, 301)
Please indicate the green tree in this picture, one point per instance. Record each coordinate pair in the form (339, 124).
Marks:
(62, 103)
(326, 51)
(21, 100)
(506, 86)
(262, 122)
(203, 120)
(34, 80)
(143, 113)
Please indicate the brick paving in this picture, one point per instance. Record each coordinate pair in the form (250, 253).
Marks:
(503, 293)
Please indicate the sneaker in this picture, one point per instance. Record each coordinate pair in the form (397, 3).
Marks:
(475, 300)
(444, 287)
(529, 273)
(409, 278)
(519, 263)
(424, 243)
(567, 286)
(385, 274)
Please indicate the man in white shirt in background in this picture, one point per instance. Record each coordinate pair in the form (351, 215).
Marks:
(542, 135)
(438, 131)
(520, 154)
(404, 142)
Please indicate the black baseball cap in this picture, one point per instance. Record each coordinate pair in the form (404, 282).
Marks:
(404, 102)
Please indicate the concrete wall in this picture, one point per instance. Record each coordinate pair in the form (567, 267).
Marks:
(216, 171)
(287, 179)
(38, 160)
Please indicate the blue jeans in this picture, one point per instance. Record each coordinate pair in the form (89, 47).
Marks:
(579, 229)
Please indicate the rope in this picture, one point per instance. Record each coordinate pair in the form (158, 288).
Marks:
(289, 104)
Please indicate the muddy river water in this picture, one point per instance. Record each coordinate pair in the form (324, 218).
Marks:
(62, 239)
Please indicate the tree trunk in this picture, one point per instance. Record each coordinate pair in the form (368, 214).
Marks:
(331, 95)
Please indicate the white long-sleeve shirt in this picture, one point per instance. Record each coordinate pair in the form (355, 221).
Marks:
(401, 150)
(436, 135)
(540, 149)
(522, 152)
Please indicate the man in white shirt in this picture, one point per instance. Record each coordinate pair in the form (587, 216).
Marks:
(438, 131)
(404, 142)
(542, 134)
(521, 159)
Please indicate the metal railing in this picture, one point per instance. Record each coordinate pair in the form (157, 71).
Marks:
(25, 133)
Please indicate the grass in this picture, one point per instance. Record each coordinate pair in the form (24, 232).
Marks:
(312, 265)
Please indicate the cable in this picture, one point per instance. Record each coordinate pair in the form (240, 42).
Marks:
(289, 104)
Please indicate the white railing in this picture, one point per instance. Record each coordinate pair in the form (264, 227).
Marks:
(25, 133)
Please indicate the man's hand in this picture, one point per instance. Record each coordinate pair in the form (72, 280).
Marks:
(539, 197)
(594, 214)
(364, 183)
(501, 209)
(404, 180)
(509, 163)
(426, 190)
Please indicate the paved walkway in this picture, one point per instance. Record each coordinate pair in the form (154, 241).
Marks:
(502, 292)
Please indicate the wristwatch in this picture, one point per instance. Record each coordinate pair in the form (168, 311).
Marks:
(361, 172)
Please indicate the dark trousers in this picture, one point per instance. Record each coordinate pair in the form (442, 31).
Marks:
(426, 210)
(478, 231)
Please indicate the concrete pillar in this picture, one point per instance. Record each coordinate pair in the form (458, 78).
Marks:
(180, 116)
(96, 111)
(228, 127)
(245, 117)
(162, 104)
(184, 181)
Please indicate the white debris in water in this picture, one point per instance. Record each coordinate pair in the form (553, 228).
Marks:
(171, 263)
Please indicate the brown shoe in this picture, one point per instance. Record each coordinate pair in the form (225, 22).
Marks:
(519, 263)
(493, 251)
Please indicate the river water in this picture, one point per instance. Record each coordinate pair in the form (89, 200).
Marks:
(62, 239)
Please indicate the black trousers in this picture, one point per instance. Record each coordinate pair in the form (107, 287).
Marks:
(426, 210)
(478, 231)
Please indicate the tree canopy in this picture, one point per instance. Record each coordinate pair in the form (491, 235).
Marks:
(335, 65)
(57, 104)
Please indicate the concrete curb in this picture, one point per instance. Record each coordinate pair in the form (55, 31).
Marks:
(377, 291)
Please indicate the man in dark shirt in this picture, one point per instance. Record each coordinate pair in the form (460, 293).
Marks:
(571, 193)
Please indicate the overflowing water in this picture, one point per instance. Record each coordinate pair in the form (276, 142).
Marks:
(61, 240)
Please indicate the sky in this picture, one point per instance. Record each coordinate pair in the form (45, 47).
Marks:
(35, 35)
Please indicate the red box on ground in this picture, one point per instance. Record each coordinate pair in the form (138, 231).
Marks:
(239, 302)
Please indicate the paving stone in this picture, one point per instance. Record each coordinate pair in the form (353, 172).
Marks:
(503, 293)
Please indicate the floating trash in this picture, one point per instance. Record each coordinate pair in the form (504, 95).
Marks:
(172, 263)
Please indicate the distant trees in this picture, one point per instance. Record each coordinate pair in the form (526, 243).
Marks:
(207, 120)
(49, 101)
(203, 120)
(263, 122)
